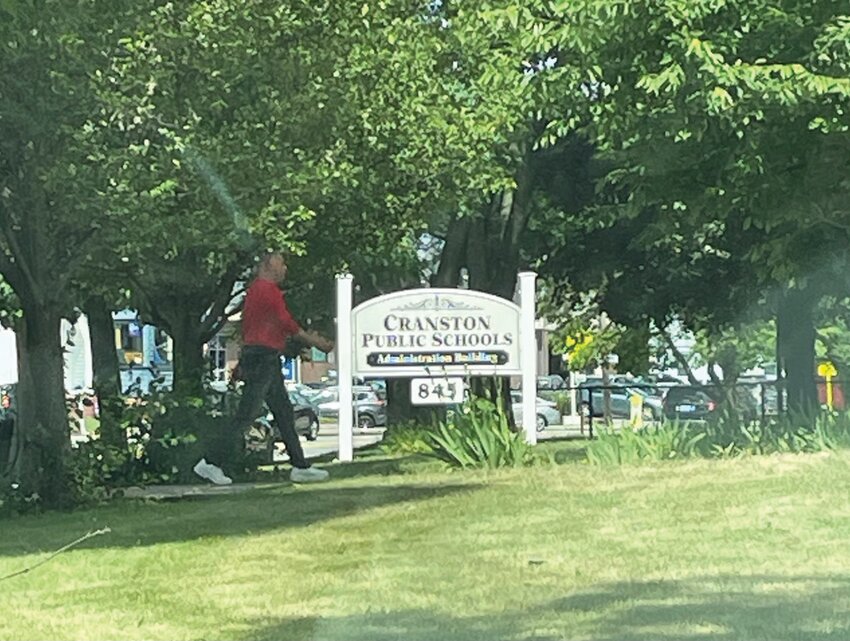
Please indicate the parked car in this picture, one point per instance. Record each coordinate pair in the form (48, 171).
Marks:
(306, 424)
(688, 403)
(300, 400)
(377, 385)
(306, 392)
(547, 411)
(593, 401)
(369, 410)
(551, 382)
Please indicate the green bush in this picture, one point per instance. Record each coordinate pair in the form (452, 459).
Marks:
(181, 436)
(96, 468)
(479, 435)
(720, 439)
(407, 438)
(166, 436)
(829, 431)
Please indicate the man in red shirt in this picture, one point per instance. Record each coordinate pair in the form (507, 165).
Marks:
(266, 326)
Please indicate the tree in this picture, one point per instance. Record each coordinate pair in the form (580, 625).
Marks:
(302, 124)
(47, 48)
(725, 115)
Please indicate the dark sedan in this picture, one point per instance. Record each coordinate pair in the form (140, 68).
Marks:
(697, 404)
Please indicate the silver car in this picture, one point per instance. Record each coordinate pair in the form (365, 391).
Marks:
(369, 410)
(547, 411)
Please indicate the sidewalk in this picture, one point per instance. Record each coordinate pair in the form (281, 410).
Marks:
(166, 492)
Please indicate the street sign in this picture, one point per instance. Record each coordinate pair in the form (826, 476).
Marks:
(432, 332)
(436, 391)
(827, 370)
(448, 333)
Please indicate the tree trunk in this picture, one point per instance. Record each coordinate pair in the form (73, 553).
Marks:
(400, 409)
(796, 333)
(493, 250)
(105, 373)
(190, 365)
(453, 256)
(41, 443)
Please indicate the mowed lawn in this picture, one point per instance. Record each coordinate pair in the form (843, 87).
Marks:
(755, 548)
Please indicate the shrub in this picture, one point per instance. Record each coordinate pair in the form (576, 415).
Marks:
(721, 439)
(407, 438)
(96, 468)
(479, 435)
(165, 438)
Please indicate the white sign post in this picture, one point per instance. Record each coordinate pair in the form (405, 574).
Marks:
(528, 354)
(344, 374)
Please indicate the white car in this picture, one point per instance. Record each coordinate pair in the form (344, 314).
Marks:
(547, 411)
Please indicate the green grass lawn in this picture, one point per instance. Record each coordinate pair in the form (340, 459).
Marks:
(754, 548)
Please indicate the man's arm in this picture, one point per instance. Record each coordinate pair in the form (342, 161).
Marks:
(315, 339)
(295, 330)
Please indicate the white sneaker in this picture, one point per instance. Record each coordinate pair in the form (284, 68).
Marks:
(212, 473)
(308, 475)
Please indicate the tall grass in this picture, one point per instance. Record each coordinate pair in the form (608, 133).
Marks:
(654, 443)
(720, 439)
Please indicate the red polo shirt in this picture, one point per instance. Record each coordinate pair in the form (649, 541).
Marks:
(266, 320)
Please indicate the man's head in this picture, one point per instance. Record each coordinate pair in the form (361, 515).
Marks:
(272, 267)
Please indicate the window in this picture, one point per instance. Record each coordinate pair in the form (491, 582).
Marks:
(161, 350)
(128, 341)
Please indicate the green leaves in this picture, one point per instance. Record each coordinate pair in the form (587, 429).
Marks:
(478, 435)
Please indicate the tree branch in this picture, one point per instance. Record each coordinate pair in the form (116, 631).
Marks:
(151, 309)
(217, 314)
(19, 266)
(76, 260)
(680, 358)
(712, 374)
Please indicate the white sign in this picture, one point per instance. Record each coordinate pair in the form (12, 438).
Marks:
(429, 332)
(436, 391)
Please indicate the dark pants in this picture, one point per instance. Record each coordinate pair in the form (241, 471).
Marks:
(260, 369)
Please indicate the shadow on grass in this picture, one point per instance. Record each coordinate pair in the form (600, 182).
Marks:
(135, 523)
(378, 463)
(699, 609)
